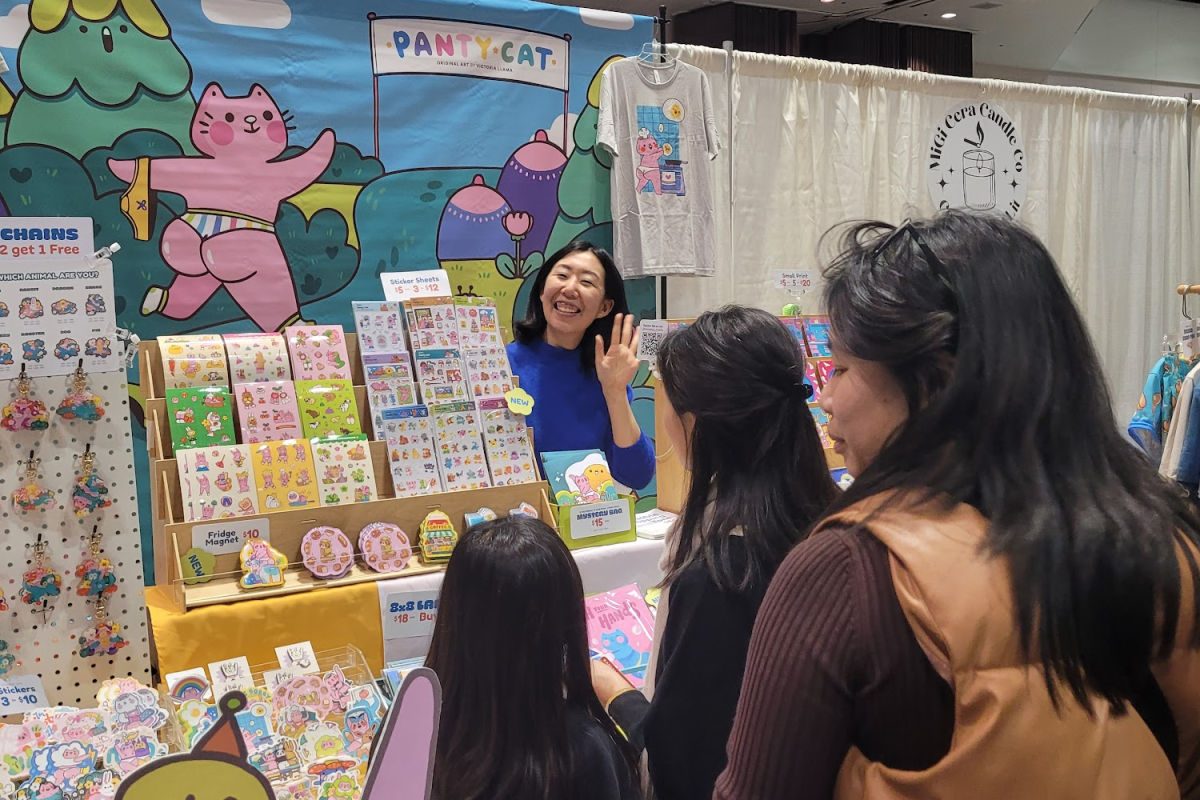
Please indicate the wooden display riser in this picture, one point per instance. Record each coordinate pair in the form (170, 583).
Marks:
(173, 535)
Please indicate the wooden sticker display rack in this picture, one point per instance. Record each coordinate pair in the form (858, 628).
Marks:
(173, 535)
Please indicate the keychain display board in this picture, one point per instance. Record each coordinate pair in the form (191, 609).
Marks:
(50, 648)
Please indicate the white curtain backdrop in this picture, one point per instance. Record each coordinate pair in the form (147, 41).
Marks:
(815, 143)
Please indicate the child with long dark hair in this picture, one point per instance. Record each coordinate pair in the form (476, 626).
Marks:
(737, 415)
(520, 720)
(1004, 603)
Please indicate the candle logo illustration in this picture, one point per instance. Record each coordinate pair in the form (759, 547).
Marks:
(976, 160)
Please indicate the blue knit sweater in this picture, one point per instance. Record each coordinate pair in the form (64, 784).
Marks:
(569, 412)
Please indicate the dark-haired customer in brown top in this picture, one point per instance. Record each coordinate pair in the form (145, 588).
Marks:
(1005, 602)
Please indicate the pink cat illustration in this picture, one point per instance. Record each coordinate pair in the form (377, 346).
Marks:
(268, 480)
(648, 171)
(226, 237)
(204, 486)
(207, 511)
(586, 493)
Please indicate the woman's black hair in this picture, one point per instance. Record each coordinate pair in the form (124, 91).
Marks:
(533, 327)
(510, 649)
(1009, 411)
(755, 455)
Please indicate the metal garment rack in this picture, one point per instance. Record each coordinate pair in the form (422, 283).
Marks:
(660, 33)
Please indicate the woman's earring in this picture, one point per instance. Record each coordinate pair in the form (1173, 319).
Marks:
(24, 413)
(80, 402)
(88, 496)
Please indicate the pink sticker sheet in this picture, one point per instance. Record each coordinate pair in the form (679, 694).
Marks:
(318, 352)
(217, 483)
(267, 411)
(257, 357)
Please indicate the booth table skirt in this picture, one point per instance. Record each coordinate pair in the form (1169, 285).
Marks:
(329, 618)
(602, 568)
(332, 618)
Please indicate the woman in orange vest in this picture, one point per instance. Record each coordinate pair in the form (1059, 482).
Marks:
(1004, 604)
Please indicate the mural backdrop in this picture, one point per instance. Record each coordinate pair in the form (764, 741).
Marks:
(263, 162)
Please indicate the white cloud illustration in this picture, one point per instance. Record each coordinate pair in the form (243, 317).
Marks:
(555, 132)
(613, 20)
(248, 13)
(14, 26)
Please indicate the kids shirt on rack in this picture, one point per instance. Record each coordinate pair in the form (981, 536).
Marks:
(657, 120)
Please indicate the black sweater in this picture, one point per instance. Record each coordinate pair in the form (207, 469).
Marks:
(701, 659)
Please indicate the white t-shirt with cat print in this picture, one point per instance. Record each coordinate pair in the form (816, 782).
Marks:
(657, 120)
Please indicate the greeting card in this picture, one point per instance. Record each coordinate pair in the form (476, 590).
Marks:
(318, 352)
(285, 475)
(579, 476)
(190, 361)
(412, 446)
(432, 323)
(440, 376)
(795, 326)
(345, 473)
(621, 629)
(388, 386)
(200, 417)
(460, 448)
(478, 323)
(257, 357)
(822, 420)
(327, 408)
(215, 482)
(380, 327)
(506, 441)
(824, 369)
(488, 372)
(816, 334)
(267, 411)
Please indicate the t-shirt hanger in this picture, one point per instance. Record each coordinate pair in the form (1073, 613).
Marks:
(653, 57)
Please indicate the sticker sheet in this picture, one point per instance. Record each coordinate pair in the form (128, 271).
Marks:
(345, 472)
(388, 386)
(190, 361)
(412, 446)
(285, 475)
(318, 352)
(257, 357)
(460, 448)
(478, 323)
(216, 483)
(380, 327)
(200, 417)
(267, 411)
(488, 373)
(440, 377)
(432, 323)
(506, 440)
(54, 312)
(327, 408)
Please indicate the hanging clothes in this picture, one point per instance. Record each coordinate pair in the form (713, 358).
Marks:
(1179, 428)
(1152, 421)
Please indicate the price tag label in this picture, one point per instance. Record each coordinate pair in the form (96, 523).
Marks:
(21, 693)
(410, 615)
(1189, 337)
(599, 519)
(229, 536)
(796, 281)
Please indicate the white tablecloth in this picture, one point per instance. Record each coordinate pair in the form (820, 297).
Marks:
(602, 568)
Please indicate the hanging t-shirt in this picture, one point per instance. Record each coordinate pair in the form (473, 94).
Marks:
(657, 119)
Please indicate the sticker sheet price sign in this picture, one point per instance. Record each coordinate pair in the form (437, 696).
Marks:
(796, 281)
(20, 694)
(410, 615)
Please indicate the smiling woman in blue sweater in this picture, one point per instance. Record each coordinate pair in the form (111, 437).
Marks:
(575, 353)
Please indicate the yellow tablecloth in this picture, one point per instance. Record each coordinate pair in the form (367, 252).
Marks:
(329, 618)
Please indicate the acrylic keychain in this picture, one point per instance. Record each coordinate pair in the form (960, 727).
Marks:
(40, 582)
(96, 578)
(7, 659)
(33, 496)
(105, 638)
(24, 413)
(81, 402)
(89, 494)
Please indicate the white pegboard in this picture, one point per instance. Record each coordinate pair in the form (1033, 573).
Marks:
(50, 650)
